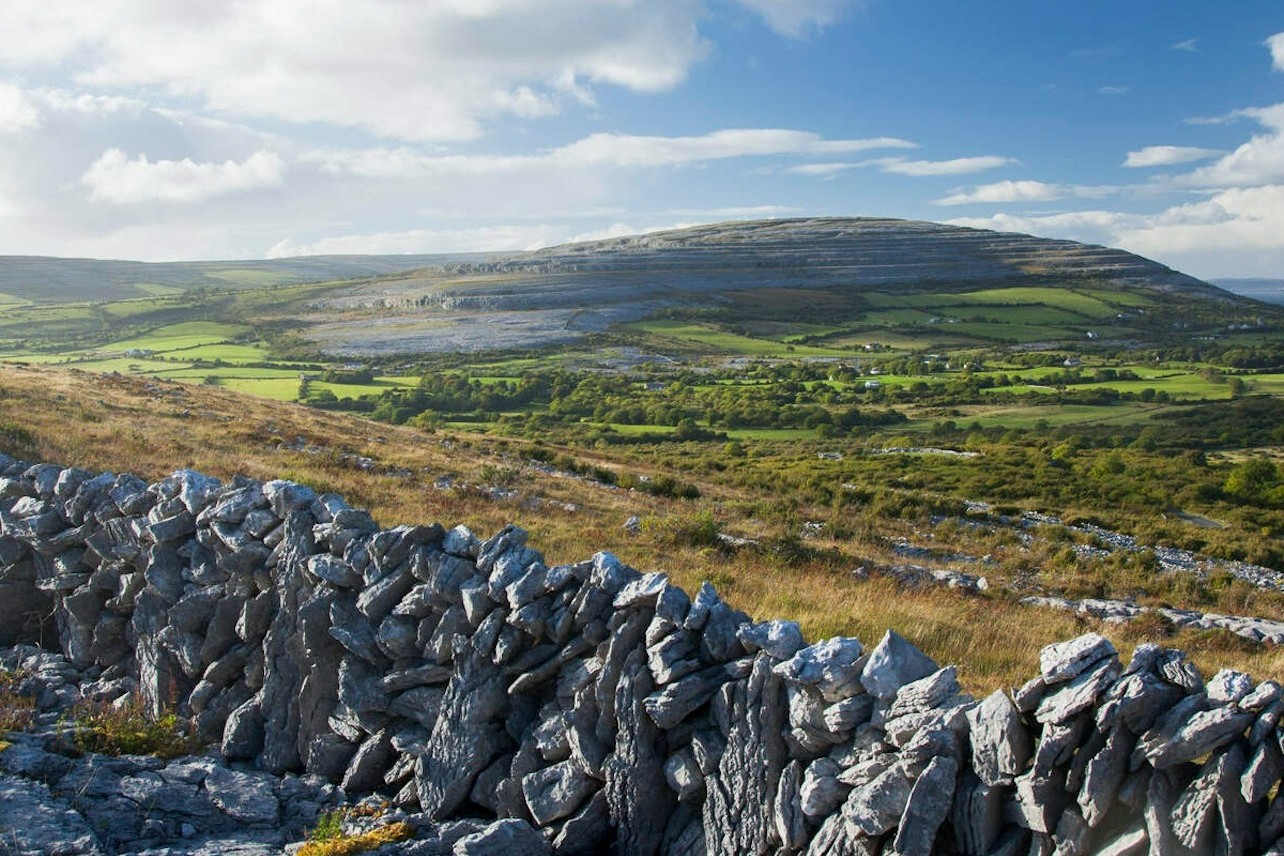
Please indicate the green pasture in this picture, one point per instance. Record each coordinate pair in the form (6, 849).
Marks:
(155, 289)
(280, 389)
(1058, 298)
(189, 334)
(228, 352)
(732, 343)
(180, 372)
(1056, 415)
(356, 390)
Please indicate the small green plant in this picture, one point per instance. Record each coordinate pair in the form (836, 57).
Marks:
(328, 838)
(17, 711)
(329, 826)
(127, 729)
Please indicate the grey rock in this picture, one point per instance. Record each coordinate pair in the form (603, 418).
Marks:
(1104, 775)
(832, 666)
(929, 804)
(556, 792)
(1264, 770)
(1000, 743)
(750, 714)
(780, 639)
(1229, 686)
(820, 792)
(1081, 692)
(639, 801)
(245, 797)
(876, 807)
(467, 736)
(894, 663)
(1063, 661)
(48, 825)
(510, 837)
(683, 775)
(1203, 732)
(334, 571)
(675, 702)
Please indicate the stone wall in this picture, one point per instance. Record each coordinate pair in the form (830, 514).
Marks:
(604, 707)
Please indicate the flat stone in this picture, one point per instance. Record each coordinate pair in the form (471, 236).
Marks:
(243, 796)
(1063, 661)
(510, 837)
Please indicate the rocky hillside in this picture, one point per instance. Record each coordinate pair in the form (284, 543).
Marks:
(852, 251)
(557, 294)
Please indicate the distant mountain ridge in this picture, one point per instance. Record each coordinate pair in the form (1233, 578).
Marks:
(1268, 290)
(48, 279)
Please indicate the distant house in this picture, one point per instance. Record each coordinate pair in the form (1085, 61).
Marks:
(829, 456)
(872, 384)
(139, 352)
(1072, 362)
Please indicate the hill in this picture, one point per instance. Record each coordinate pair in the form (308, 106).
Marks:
(43, 279)
(848, 274)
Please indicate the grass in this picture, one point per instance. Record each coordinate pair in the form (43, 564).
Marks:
(731, 343)
(189, 334)
(328, 837)
(127, 729)
(126, 425)
(17, 710)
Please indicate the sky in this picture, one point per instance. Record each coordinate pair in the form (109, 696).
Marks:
(162, 130)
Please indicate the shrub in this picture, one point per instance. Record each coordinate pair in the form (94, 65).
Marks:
(328, 838)
(17, 711)
(127, 729)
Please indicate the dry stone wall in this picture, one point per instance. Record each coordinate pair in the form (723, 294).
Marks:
(603, 707)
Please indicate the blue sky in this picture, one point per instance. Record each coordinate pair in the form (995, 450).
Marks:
(155, 130)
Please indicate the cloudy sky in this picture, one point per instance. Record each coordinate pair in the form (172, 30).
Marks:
(153, 129)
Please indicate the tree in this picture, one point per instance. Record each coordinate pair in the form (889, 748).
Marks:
(1249, 480)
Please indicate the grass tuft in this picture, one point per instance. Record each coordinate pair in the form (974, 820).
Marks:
(17, 711)
(127, 729)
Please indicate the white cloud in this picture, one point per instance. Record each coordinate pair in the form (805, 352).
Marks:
(480, 239)
(1187, 45)
(796, 18)
(824, 170)
(1113, 90)
(901, 166)
(608, 150)
(1258, 161)
(414, 71)
(17, 113)
(1024, 191)
(1167, 156)
(1234, 232)
(117, 179)
(1276, 45)
(956, 166)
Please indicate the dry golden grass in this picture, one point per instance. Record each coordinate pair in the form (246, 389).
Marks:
(129, 424)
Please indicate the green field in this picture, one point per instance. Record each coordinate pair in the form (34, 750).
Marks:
(729, 343)
(190, 334)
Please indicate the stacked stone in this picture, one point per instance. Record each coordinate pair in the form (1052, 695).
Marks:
(605, 708)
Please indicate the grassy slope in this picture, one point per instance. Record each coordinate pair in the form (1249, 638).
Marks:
(152, 428)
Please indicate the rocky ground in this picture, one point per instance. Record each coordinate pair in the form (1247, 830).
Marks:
(499, 705)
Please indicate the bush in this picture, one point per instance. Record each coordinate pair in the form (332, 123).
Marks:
(127, 729)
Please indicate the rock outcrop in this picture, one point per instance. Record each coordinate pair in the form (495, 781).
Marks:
(580, 708)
